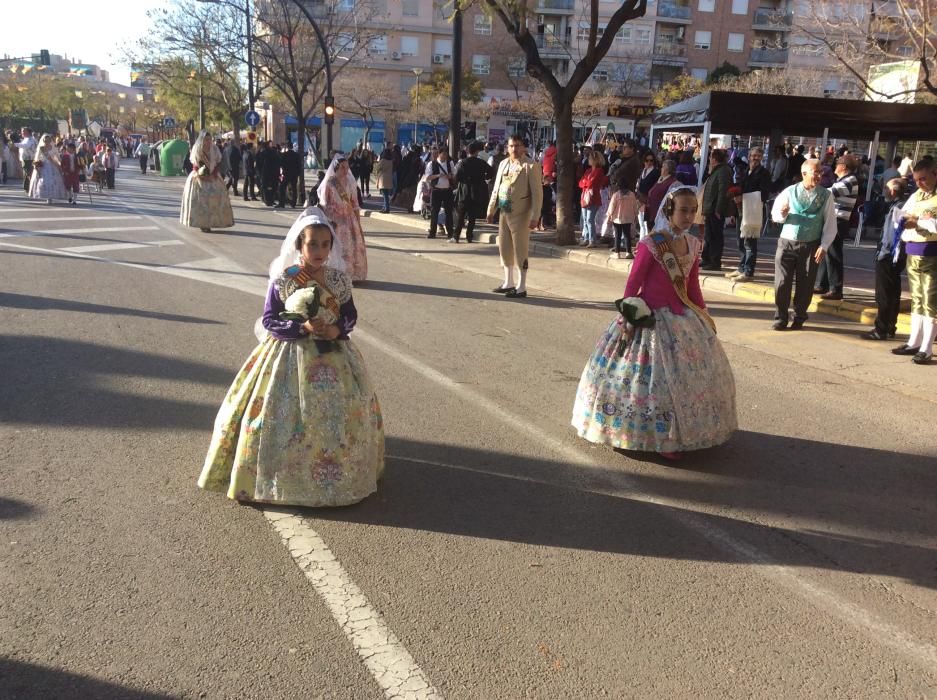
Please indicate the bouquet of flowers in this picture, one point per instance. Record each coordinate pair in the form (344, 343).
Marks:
(203, 171)
(636, 314)
(307, 303)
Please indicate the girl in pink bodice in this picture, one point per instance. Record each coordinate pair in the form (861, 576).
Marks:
(665, 386)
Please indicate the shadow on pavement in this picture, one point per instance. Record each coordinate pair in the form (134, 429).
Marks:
(491, 495)
(34, 303)
(533, 300)
(13, 509)
(24, 680)
(62, 383)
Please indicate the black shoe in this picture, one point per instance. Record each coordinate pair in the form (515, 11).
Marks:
(514, 294)
(921, 358)
(779, 326)
(431, 235)
(469, 239)
(832, 296)
(796, 324)
(253, 199)
(820, 290)
(504, 290)
(710, 267)
(904, 350)
(874, 335)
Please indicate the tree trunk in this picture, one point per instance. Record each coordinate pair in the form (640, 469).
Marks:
(301, 138)
(565, 172)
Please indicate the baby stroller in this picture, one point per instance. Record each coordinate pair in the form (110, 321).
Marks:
(422, 202)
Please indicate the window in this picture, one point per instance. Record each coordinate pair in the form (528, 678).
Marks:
(624, 35)
(600, 74)
(739, 7)
(736, 42)
(344, 43)
(703, 40)
(642, 36)
(378, 46)
(707, 5)
(699, 73)
(583, 34)
(517, 67)
(442, 47)
(345, 5)
(409, 46)
(481, 64)
(411, 8)
(483, 25)
(407, 83)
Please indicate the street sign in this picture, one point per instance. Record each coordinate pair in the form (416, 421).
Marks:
(169, 122)
(251, 136)
(252, 118)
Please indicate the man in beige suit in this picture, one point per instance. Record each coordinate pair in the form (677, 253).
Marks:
(518, 194)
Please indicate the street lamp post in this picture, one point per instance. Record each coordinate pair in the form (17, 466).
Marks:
(416, 119)
(328, 82)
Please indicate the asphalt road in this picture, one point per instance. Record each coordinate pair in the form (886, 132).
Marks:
(504, 558)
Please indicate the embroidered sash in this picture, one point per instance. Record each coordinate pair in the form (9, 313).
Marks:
(677, 275)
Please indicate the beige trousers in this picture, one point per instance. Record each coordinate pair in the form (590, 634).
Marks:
(514, 239)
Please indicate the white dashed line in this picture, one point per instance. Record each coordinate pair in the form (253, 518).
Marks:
(74, 231)
(120, 246)
(80, 217)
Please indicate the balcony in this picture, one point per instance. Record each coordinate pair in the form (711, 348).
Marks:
(768, 57)
(552, 46)
(556, 6)
(673, 12)
(769, 20)
(669, 53)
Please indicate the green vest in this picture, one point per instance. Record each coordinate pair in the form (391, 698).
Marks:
(805, 221)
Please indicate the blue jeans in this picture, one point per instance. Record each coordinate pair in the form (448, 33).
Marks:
(386, 194)
(588, 223)
(748, 255)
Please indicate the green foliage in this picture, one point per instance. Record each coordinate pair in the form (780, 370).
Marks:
(724, 71)
(439, 84)
(682, 87)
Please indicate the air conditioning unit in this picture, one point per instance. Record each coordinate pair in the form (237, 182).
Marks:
(395, 55)
(438, 58)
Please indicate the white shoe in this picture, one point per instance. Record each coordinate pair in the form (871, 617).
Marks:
(744, 278)
(583, 243)
(732, 275)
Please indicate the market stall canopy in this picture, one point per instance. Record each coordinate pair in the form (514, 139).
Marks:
(746, 114)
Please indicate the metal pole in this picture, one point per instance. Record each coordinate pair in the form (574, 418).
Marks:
(704, 152)
(250, 54)
(455, 99)
(826, 135)
(873, 149)
(328, 80)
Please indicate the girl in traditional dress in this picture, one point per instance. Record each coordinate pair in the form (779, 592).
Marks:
(205, 203)
(666, 385)
(338, 197)
(47, 182)
(301, 424)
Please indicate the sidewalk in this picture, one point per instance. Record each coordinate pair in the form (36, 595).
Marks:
(858, 304)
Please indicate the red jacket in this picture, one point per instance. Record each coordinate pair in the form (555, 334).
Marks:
(594, 179)
(549, 162)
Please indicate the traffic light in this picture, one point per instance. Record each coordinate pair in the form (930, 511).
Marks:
(44, 57)
(329, 110)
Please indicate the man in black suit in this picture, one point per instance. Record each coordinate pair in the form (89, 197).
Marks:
(471, 198)
(291, 166)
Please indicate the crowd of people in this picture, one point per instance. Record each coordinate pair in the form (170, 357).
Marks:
(53, 167)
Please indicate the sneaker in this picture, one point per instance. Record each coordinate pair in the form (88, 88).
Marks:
(452, 240)
(779, 326)
(629, 255)
(583, 243)
(735, 273)
(744, 278)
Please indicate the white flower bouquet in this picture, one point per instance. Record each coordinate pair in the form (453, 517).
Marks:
(636, 314)
(203, 171)
(306, 303)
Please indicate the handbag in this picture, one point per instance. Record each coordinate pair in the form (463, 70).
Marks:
(586, 198)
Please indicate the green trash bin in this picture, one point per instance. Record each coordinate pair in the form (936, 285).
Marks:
(171, 157)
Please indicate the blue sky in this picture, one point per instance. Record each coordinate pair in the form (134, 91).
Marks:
(75, 31)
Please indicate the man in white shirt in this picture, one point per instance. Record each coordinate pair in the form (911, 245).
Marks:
(808, 217)
(27, 149)
(439, 175)
(905, 168)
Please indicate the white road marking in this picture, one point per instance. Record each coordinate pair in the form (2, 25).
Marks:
(385, 657)
(120, 246)
(33, 219)
(866, 622)
(74, 231)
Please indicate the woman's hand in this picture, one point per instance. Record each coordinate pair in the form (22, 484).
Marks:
(321, 329)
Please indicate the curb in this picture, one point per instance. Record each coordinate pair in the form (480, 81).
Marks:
(754, 291)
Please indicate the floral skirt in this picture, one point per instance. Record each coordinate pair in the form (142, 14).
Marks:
(205, 203)
(300, 425)
(672, 390)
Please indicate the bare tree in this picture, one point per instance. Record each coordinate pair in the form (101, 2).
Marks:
(518, 16)
(794, 81)
(290, 58)
(364, 95)
(860, 36)
(199, 48)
